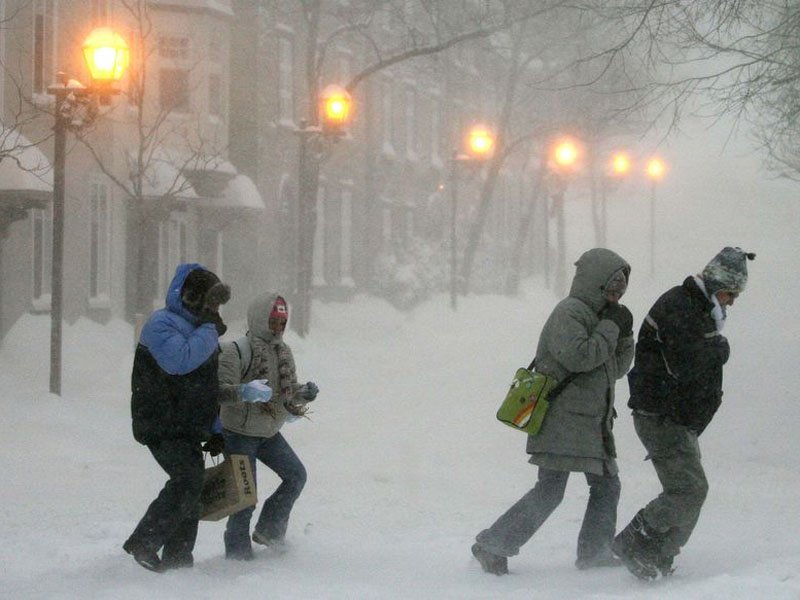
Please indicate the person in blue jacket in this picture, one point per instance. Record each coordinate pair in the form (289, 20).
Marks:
(174, 408)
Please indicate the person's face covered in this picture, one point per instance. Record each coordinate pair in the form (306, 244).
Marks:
(277, 325)
(616, 286)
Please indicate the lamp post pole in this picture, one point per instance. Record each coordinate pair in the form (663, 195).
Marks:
(655, 169)
(453, 249)
(56, 286)
(107, 56)
(653, 226)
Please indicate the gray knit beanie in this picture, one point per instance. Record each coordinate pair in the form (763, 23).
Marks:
(727, 271)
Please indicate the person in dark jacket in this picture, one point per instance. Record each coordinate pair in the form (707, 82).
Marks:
(676, 387)
(174, 408)
(588, 337)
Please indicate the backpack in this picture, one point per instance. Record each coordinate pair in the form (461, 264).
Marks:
(245, 352)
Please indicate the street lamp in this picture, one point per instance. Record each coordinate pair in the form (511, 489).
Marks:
(335, 104)
(107, 56)
(617, 167)
(564, 155)
(333, 114)
(655, 168)
(479, 144)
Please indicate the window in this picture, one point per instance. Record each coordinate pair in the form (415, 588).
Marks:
(387, 116)
(173, 86)
(285, 80)
(99, 243)
(171, 250)
(386, 224)
(411, 122)
(44, 45)
(174, 47)
(214, 95)
(2, 59)
(216, 46)
(435, 130)
(42, 236)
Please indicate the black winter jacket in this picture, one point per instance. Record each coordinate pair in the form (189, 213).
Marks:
(165, 406)
(677, 370)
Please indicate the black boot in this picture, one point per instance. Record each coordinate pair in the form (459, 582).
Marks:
(491, 563)
(638, 545)
(143, 555)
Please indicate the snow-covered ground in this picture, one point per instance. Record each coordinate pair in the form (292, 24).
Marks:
(406, 462)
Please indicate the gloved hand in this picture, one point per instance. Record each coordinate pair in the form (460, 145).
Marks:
(215, 444)
(212, 316)
(619, 314)
(309, 391)
(257, 390)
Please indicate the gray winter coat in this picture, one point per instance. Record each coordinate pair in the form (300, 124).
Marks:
(576, 433)
(252, 419)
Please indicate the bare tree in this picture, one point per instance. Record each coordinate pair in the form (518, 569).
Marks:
(393, 32)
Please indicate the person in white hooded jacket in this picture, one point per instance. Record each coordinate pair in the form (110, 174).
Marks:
(250, 367)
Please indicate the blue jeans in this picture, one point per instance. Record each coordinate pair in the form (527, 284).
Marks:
(276, 453)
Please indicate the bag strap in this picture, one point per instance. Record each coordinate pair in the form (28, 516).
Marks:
(245, 352)
(559, 386)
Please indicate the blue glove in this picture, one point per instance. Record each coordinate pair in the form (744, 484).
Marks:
(257, 390)
(309, 391)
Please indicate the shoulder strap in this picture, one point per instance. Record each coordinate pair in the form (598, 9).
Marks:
(559, 386)
(245, 353)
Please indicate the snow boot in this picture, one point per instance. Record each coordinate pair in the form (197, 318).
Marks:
(491, 563)
(178, 561)
(638, 545)
(143, 555)
(276, 544)
(605, 558)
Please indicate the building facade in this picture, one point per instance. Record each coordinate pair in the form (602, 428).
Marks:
(197, 159)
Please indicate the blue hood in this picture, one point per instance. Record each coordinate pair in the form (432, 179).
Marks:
(173, 300)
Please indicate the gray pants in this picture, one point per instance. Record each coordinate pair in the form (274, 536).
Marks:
(507, 535)
(676, 457)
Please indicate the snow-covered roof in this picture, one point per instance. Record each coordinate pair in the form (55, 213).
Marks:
(163, 178)
(222, 7)
(241, 192)
(23, 167)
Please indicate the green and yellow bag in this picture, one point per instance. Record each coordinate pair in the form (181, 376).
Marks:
(526, 403)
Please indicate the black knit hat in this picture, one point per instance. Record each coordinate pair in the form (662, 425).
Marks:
(203, 287)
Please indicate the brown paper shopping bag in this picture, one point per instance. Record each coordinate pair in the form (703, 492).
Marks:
(227, 488)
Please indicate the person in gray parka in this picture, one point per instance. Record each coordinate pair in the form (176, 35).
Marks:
(252, 426)
(588, 336)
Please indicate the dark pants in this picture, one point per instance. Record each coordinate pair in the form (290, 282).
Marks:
(675, 454)
(276, 453)
(171, 519)
(507, 535)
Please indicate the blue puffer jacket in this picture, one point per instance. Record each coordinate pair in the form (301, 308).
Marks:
(174, 383)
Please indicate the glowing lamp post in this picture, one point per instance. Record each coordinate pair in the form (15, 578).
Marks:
(335, 104)
(565, 155)
(655, 168)
(479, 141)
(333, 114)
(107, 57)
(620, 164)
